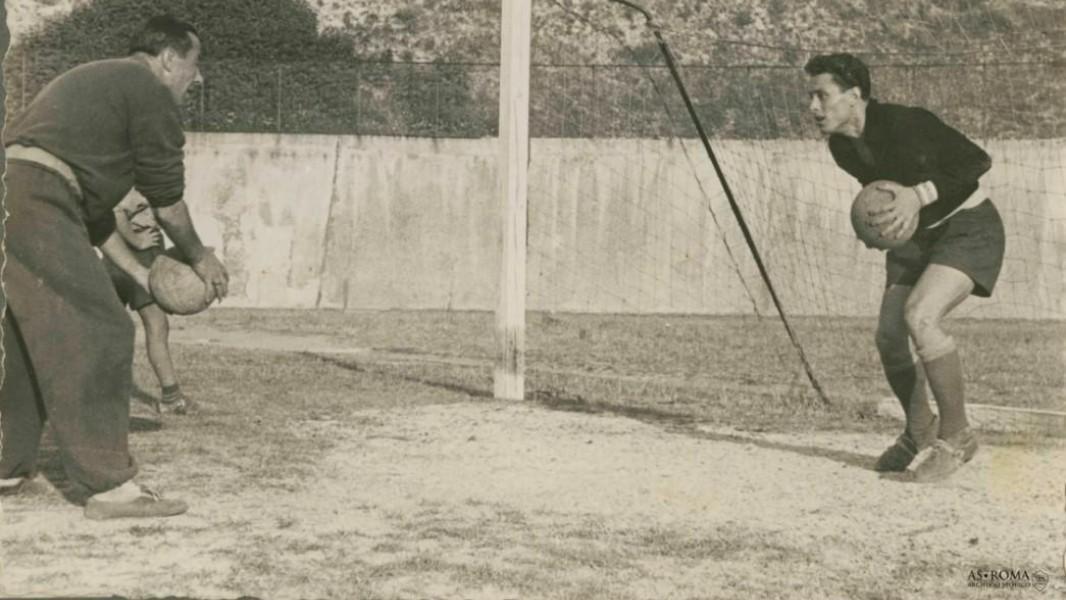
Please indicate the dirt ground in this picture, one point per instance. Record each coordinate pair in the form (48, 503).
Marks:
(484, 499)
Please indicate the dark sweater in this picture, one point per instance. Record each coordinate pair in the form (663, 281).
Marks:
(117, 126)
(910, 146)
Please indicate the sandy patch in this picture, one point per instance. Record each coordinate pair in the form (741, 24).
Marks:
(393, 471)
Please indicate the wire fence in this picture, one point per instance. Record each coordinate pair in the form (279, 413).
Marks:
(1010, 99)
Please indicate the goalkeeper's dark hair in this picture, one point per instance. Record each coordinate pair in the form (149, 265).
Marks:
(847, 71)
(162, 32)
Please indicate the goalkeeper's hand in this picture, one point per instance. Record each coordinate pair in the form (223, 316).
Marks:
(897, 215)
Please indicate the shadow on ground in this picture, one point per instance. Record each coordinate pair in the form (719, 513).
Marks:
(673, 422)
(689, 426)
(350, 365)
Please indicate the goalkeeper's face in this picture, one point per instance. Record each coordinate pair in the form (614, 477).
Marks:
(834, 109)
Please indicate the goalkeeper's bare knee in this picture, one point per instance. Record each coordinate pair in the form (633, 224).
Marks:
(924, 324)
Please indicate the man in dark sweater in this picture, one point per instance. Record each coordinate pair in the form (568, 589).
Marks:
(91, 135)
(957, 250)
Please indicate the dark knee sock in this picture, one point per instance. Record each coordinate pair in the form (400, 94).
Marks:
(908, 383)
(945, 379)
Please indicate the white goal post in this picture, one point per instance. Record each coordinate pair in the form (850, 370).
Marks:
(509, 373)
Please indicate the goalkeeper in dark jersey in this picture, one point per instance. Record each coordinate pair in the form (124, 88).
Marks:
(956, 250)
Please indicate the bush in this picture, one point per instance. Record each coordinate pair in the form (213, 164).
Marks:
(265, 30)
(267, 69)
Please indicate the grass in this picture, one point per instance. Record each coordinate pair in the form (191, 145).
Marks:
(253, 456)
(250, 396)
(674, 372)
(730, 367)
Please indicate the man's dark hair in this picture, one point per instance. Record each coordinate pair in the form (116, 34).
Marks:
(847, 71)
(161, 32)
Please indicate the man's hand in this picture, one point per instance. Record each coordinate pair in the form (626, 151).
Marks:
(139, 236)
(145, 237)
(214, 275)
(898, 215)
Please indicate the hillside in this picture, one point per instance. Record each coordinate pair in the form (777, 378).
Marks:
(425, 67)
(468, 30)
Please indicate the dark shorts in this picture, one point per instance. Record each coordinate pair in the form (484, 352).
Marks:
(971, 241)
(131, 294)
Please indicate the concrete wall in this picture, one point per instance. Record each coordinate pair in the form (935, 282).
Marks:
(614, 225)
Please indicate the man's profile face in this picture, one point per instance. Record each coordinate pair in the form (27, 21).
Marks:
(182, 71)
(832, 107)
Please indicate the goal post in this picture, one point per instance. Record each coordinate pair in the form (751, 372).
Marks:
(509, 372)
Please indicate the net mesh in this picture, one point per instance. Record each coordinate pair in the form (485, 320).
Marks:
(631, 218)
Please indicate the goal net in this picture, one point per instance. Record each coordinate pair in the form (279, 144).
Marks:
(638, 265)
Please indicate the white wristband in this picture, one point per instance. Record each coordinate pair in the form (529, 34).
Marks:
(927, 193)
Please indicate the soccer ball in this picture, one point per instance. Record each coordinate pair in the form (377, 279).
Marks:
(177, 289)
(872, 199)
